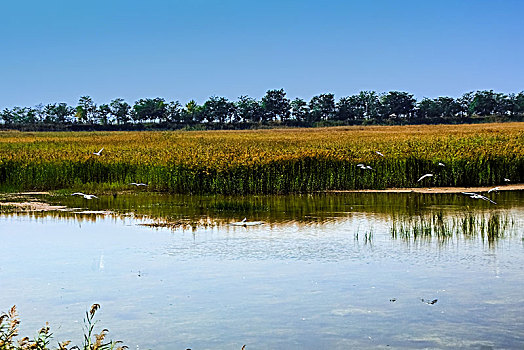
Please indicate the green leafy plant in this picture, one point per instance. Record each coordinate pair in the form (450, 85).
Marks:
(9, 331)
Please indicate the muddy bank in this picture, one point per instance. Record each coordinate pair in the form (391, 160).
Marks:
(31, 206)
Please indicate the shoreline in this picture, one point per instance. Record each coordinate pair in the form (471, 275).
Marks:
(425, 190)
(436, 190)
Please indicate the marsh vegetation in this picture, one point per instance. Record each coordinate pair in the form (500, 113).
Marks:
(263, 161)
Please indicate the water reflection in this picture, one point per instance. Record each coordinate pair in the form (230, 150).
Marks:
(410, 215)
(321, 272)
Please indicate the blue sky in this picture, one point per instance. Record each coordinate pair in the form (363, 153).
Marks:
(57, 51)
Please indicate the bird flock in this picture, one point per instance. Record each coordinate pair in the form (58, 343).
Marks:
(472, 195)
(92, 196)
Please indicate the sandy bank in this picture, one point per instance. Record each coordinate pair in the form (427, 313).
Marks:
(514, 187)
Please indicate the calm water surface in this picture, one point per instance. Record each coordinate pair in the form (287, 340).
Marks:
(322, 272)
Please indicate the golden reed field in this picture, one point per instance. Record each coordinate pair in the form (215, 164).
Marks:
(264, 161)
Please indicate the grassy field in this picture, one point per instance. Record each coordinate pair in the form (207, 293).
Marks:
(264, 161)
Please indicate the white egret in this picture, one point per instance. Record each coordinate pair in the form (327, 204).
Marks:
(441, 164)
(507, 180)
(364, 167)
(86, 196)
(424, 176)
(478, 196)
(137, 184)
(246, 223)
(380, 154)
(99, 153)
(494, 189)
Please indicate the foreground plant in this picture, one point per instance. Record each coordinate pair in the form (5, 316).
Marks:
(9, 328)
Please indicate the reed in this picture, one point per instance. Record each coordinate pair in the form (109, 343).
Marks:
(9, 335)
(263, 161)
(489, 227)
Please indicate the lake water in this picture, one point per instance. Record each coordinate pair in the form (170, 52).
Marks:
(321, 271)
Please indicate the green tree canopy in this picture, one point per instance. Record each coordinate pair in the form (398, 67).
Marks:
(120, 110)
(299, 109)
(322, 107)
(275, 105)
(398, 104)
(150, 109)
(249, 109)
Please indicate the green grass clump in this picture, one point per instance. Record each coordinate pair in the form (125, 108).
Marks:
(10, 340)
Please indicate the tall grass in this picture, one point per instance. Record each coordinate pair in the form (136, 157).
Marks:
(264, 161)
(10, 340)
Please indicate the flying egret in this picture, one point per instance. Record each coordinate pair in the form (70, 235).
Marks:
(380, 154)
(99, 153)
(364, 167)
(494, 189)
(478, 196)
(137, 184)
(424, 176)
(441, 164)
(86, 196)
(507, 180)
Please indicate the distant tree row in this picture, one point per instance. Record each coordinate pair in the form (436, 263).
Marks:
(367, 107)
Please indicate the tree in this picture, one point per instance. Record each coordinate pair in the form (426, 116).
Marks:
(120, 110)
(428, 109)
(483, 103)
(86, 109)
(465, 102)
(486, 103)
(346, 108)
(398, 103)
(368, 105)
(299, 109)
(449, 107)
(519, 103)
(192, 112)
(7, 116)
(249, 109)
(150, 109)
(103, 113)
(218, 109)
(58, 113)
(19, 115)
(504, 104)
(39, 110)
(174, 112)
(322, 107)
(275, 105)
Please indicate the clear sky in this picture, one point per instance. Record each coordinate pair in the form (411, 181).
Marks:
(56, 51)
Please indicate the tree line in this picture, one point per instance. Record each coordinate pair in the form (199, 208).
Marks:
(274, 108)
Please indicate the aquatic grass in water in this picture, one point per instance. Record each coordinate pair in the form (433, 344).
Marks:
(488, 227)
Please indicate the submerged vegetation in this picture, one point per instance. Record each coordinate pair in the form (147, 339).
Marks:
(9, 332)
(263, 161)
